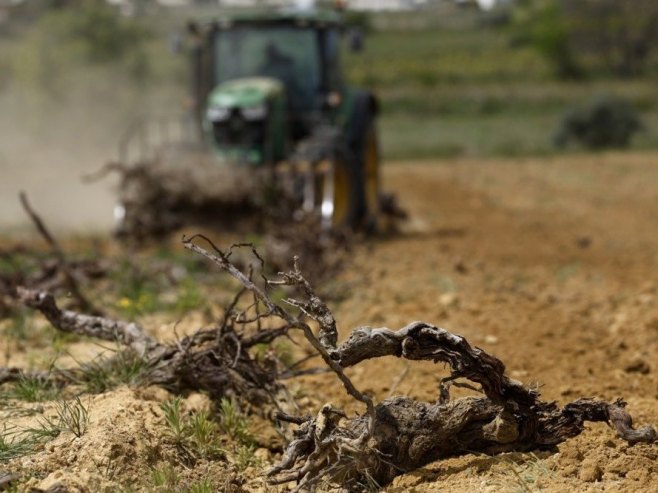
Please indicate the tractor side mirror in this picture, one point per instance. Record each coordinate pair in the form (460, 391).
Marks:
(355, 39)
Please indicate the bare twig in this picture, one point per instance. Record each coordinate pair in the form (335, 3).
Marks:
(221, 260)
(71, 281)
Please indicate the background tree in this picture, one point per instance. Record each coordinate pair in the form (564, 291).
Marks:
(581, 37)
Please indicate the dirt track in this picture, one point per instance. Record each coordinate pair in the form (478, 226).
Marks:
(551, 265)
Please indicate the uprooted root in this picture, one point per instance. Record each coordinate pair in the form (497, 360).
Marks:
(215, 360)
(405, 434)
(401, 434)
(159, 197)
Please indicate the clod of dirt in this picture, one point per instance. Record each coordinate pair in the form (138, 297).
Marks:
(583, 242)
(197, 402)
(637, 364)
(590, 471)
(491, 339)
(449, 300)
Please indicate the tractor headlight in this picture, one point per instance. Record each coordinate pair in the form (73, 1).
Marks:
(119, 213)
(218, 113)
(254, 112)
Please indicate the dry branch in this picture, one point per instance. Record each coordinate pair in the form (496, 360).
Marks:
(291, 279)
(215, 360)
(28, 268)
(125, 333)
(63, 264)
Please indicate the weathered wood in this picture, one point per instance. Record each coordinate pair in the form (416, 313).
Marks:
(126, 333)
(408, 434)
(216, 361)
(294, 322)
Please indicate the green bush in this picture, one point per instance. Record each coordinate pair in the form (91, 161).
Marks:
(606, 122)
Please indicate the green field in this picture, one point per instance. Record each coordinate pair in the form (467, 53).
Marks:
(460, 88)
(450, 84)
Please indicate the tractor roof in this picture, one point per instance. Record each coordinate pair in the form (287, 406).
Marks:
(276, 16)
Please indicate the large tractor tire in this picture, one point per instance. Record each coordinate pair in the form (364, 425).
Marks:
(339, 192)
(369, 164)
(363, 142)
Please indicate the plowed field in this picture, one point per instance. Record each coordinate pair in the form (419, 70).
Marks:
(549, 264)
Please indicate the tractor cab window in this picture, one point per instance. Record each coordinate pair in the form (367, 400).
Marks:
(332, 53)
(288, 54)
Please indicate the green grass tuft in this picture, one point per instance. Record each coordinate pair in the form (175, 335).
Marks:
(165, 477)
(71, 416)
(125, 368)
(32, 390)
(14, 444)
(243, 456)
(194, 434)
(234, 423)
(174, 418)
(204, 486)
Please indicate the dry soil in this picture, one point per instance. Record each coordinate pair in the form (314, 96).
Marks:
(550, 264)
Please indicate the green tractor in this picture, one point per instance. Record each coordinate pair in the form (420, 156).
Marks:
(269, 100)
(269, 93)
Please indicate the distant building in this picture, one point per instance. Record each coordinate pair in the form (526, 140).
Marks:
(129, 5)
(385, 4)
(483, 4)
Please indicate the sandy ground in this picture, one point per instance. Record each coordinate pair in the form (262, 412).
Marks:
(550, 264)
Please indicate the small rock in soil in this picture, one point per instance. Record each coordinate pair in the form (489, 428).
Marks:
(637, 365)
(449, 300)
(590, 471)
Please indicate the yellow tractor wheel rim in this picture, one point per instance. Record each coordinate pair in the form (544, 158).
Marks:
(336, 196)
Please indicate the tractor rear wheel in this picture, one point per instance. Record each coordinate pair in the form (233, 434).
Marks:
(370, 173)
(339, 193)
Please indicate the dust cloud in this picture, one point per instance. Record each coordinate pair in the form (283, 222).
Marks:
(46, 154)
(51, 138)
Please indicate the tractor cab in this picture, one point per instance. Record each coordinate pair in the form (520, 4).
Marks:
(264, 81)
(271, 106)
